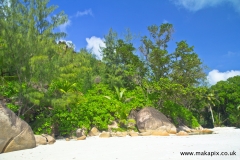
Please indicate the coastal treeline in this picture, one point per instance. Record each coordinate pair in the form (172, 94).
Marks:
(55, 88)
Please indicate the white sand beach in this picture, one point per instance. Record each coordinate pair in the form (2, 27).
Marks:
(226, 139)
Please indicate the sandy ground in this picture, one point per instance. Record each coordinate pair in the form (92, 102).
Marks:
(137, 148)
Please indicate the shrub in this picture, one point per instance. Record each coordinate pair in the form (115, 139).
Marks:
(179, 114)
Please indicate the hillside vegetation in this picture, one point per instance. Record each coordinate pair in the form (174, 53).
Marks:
(53, 87)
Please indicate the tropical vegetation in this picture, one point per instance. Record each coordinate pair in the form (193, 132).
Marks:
(57, 89)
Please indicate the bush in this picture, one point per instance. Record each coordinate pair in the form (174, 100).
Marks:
(9, 89)
(179, 114)
(42, 124)
(99, 109)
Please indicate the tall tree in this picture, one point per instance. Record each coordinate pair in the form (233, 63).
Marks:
(29, 36)
(155, 51)
(186, 66)
(123, 67)
(27, 32)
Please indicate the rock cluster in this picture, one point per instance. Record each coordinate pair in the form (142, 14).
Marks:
(184, 130)
(16, 134)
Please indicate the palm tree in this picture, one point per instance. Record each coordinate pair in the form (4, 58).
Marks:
(120, 93)
(65, 86)
(210, 100)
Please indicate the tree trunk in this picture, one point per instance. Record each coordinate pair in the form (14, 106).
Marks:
(211, 114)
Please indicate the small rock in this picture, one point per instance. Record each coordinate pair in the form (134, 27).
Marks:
(67, 139)
(160, 133)
(207, 131)
(182, 133)
(133, 134)
(50, 139)
(40, 140)
(145, 134)
(104, 135)
(80, 132)
(94, 132)
(81, 138)
(173, 130)
(113, 134)
(121, 134)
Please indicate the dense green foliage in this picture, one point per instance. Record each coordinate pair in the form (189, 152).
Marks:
(227, 110)
(57, 90)
(179, 114)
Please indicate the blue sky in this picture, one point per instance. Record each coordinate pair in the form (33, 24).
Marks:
(211, 26)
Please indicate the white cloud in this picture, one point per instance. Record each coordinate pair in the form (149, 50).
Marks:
(165, 21)
(235, 4)
(63, 27)
(86, 12)
(195, 5)
(232, 54)
(94, 44)
(214, 76)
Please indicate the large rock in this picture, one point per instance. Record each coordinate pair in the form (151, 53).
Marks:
(15, 133)
(149, 119)
(133, 114)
